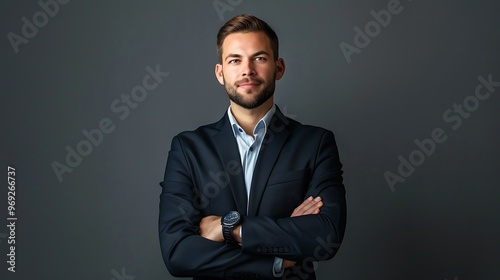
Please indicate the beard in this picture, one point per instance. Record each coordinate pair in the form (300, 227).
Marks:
(253, 101)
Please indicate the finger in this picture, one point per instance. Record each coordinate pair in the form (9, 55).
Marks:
(310, 204)
(308, 207)
(314, 209)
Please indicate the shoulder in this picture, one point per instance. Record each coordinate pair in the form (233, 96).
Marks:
(311, 131)
(296, 128)
(200, 134)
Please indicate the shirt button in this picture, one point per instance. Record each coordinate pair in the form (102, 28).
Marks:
(251, 149)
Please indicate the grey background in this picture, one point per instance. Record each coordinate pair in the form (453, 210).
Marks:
(441, 223)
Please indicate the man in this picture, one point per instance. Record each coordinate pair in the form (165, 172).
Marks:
(256, 194)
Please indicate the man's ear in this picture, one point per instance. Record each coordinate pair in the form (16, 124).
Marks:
(280, 68)
(218, 73)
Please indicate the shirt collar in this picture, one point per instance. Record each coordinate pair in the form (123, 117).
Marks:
(264, 121)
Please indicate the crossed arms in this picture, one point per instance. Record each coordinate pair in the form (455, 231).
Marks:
(191, 241)
(210, 226)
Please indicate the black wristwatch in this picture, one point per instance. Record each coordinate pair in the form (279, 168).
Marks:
(229, 221)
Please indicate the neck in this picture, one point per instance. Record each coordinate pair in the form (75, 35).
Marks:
(248, 118)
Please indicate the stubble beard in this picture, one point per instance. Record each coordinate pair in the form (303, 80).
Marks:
(260, 97)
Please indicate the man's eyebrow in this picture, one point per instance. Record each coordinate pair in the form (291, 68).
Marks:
(261, 53)
(232, 55)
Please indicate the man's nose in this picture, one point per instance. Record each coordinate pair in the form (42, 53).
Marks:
(248, 68)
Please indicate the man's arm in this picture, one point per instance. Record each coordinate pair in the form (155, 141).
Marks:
(185, 251)
(210, 226)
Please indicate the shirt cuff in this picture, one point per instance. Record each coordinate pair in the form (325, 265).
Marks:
(241, 235)
(277, 270)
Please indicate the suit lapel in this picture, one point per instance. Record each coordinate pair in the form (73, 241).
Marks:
(230, 157)
(276, 135)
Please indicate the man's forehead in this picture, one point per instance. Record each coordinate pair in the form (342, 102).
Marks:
(246, 40)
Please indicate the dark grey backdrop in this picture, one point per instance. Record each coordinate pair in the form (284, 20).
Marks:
(100, 221)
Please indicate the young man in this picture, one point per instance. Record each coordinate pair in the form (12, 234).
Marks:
(256, 194)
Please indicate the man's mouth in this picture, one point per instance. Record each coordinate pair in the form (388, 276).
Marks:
(247, 84)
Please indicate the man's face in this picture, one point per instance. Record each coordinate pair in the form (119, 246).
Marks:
(248, 70)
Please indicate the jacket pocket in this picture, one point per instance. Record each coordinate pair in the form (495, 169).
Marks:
(280, 178)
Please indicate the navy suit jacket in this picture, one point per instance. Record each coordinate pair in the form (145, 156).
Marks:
(204, 177)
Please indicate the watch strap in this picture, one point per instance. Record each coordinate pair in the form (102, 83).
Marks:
(227, 232)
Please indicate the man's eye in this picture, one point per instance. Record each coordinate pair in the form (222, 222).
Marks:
(260, 58)
(232, 61)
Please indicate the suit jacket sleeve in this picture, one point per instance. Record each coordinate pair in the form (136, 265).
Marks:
(184, 251)
(311, 237)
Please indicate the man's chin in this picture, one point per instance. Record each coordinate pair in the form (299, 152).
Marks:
(249, 103)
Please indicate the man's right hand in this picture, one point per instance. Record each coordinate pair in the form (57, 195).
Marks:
(310, 206)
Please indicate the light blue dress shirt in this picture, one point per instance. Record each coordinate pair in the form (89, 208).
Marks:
(249, 148)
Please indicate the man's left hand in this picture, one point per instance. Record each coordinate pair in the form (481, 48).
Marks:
(211, 228)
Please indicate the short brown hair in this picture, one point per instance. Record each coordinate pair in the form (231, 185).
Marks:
(246, 23)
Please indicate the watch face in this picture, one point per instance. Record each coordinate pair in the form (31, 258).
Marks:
(231, 218)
